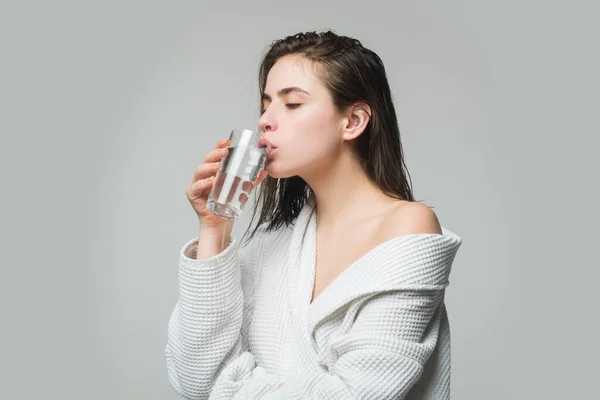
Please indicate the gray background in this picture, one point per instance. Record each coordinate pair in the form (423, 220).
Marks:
(107, 107)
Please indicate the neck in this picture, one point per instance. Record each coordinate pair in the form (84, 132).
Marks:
(345, 194)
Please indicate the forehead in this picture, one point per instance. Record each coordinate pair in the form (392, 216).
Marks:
(292, 71)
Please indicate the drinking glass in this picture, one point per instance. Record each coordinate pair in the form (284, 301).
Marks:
(235, 179)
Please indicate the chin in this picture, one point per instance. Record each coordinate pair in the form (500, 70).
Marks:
(277, 173)
(278, 169)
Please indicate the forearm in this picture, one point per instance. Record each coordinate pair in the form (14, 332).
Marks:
(366, 373)
(204, 329)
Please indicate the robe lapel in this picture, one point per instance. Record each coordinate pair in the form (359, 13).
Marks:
(408, 262)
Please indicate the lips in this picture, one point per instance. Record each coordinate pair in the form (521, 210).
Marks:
(270, 154)
(264, 143)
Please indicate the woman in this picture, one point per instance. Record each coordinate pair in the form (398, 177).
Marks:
(339, 293)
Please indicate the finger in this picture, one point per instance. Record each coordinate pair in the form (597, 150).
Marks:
(216, 154)
(247, 186)
(199, 187)
(243, 199)
(206, 170)
(222, 143)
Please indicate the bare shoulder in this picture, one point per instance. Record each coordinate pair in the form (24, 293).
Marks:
(412, 218)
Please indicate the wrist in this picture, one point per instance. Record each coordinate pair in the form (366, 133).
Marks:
(219, 234)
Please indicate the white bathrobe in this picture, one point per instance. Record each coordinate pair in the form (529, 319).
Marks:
(245, 328)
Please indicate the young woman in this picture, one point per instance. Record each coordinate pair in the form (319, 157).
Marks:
(339, 291)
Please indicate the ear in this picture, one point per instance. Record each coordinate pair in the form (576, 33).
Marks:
(357, 118)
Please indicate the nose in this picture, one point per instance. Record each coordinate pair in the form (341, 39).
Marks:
(266, 122)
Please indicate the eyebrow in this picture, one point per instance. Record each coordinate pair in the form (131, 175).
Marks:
(285, 91)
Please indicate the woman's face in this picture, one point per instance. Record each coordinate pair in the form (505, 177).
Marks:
(299, 119)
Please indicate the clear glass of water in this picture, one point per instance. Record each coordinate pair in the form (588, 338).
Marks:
(239, 169)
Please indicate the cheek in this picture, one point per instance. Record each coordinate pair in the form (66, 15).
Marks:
(313, 127)
(316, 137)
(312, 140)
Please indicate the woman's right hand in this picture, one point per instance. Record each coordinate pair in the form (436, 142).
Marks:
(204, 178)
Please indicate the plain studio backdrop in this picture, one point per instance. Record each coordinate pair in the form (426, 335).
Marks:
(107, 108)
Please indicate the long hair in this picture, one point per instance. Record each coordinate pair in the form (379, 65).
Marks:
(352, 74)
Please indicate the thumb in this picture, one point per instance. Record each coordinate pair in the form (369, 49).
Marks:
(262, 175)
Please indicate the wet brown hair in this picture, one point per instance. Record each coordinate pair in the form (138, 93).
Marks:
(352, 74)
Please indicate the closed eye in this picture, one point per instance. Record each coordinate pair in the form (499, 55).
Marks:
(293, 105)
